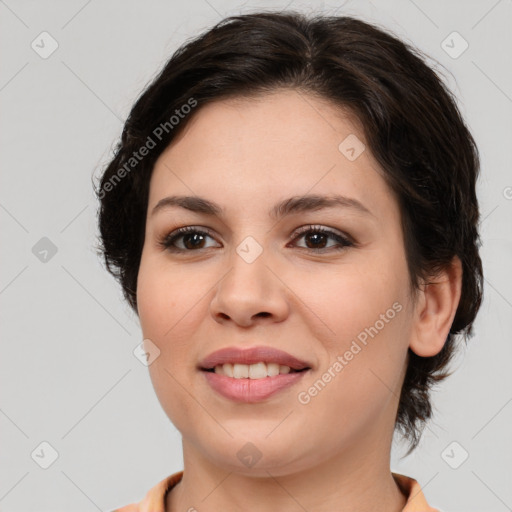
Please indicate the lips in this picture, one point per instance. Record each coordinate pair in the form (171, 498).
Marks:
(252, 356)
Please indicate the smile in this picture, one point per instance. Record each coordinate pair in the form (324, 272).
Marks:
(255, 371)
(242, 387)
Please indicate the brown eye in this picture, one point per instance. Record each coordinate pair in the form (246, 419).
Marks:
(185, 239)
(317, 237)
(317, 240)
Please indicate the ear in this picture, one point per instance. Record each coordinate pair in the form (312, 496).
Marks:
(435, 310)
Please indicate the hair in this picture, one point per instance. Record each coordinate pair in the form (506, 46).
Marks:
(411, 124)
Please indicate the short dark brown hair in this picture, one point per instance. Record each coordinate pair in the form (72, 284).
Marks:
(410, 121)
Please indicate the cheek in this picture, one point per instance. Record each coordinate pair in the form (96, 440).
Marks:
(167, 300)
(366, 310)
(167, 319)
(360, 380)
(348, 301)
(172, 305)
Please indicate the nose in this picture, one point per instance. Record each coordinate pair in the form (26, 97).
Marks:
(250, 293)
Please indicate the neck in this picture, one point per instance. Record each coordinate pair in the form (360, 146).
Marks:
(349, 482)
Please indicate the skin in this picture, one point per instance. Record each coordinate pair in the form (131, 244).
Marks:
(332, 453)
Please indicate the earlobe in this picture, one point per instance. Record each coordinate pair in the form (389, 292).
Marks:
(435, 310)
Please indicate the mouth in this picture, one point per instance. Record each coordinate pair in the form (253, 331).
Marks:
(259, 370)
(252, 363)
(252, 383)
(252, 375)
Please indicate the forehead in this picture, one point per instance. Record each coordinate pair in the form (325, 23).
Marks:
(285, 122)
(262, 148)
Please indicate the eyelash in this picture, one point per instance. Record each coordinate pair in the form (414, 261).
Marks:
(167, 242)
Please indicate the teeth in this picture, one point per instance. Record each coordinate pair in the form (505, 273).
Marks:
(251, 371)
(240, 371)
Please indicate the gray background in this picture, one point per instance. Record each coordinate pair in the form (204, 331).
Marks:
(68, 375)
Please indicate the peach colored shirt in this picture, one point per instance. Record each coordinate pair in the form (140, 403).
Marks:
(154, 501)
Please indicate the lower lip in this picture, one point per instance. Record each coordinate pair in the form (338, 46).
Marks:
(251, 390)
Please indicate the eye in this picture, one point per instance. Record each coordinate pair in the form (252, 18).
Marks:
(192, 238)
(189, 238)
(316, 238)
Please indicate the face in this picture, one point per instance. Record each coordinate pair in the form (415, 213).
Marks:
(326, 283)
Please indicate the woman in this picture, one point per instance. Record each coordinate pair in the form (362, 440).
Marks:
(291, 212)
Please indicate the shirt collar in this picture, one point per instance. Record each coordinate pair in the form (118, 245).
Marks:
(154, 501)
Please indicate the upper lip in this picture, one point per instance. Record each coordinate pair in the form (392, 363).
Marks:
(251, 356)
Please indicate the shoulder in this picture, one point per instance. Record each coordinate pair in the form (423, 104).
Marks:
(416, 501)
(154, 501)
(134, 507)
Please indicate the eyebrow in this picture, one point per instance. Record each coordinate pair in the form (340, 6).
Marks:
(289, 206)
